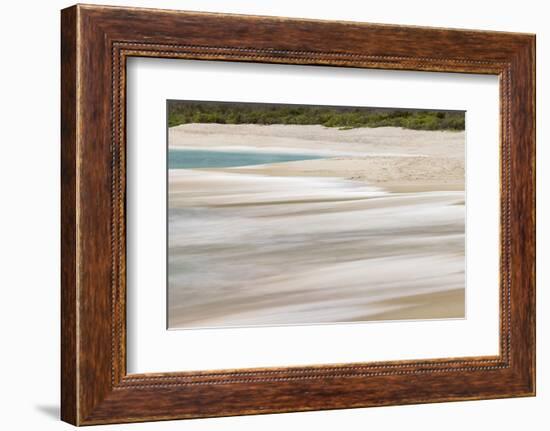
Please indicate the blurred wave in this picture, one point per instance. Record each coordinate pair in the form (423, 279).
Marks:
(263, 250)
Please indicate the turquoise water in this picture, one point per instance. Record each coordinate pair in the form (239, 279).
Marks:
(188, 159)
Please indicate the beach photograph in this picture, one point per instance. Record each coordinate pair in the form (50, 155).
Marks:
(303, 214)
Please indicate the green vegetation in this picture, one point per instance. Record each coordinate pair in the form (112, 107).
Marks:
(180, 112)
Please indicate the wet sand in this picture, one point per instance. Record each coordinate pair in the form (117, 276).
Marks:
(367, 235)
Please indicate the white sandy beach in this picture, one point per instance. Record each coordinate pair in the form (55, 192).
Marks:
(318, 140)
(374, 231)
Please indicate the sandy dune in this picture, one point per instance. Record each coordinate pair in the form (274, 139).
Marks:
(376, 234)
(318, 140)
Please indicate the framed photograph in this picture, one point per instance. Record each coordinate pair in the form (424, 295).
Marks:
(264, 214)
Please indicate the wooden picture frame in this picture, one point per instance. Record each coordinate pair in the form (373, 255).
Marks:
(95, 43)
